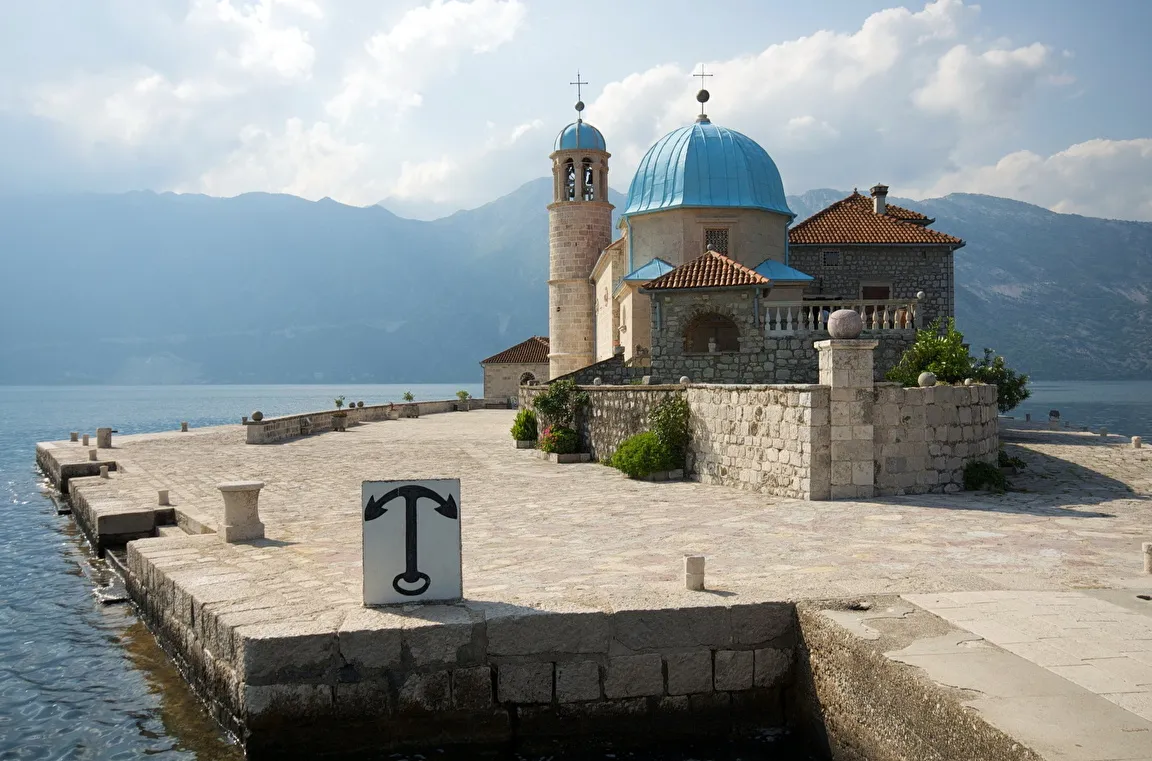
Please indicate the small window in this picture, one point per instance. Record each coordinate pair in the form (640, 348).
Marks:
(716, 239)
(831, 258)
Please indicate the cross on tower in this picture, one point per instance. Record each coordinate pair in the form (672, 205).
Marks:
(701, 96)
(579, 99)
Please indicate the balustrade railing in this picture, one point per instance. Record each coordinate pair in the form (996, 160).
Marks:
(877, 314)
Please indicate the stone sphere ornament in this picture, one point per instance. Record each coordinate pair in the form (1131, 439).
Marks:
(926, 380)
(359, 404)
(684, 381)
(920, 295)
(845, 324)
(257, 416)
(969, 382)
(596, 381)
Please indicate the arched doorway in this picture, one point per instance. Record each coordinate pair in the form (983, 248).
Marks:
(711, 332)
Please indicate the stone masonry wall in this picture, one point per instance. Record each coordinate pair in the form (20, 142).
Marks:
(907, 270)
(611, 372)
(762, 359)
(771, 439)
(272, 430)
(502, 380)
(924, 436)
(577, 232)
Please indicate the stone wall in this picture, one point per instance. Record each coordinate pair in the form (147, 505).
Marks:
(771, 439)
(677, 235)
(763, 358)
(611, 372)
(273, 429)
(906, 269)
(502, 380)
(924, 436)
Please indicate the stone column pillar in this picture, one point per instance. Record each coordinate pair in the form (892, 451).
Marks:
(846, 366)
(241, 516)
(103, 438)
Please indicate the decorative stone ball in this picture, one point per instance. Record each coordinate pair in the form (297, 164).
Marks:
(845, 323)
(359, 404)
(969, 382)
(926, 379)
(920, 295)
(596, 381)
(257, 416)
(684, 380)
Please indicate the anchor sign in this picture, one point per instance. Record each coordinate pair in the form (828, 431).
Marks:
(412, 553)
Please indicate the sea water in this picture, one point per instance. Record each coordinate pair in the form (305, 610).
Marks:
(81, 680)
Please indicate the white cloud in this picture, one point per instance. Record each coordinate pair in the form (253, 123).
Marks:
(426, 43)
(262, 45)
(1101, 178)
(979, 85)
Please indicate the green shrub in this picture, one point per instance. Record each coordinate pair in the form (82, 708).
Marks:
(560, 403)
(1004, 461)
(669, 420)
(558, 440)
(463, 395)
(524, 427)
(940, 350)
(983, 475)
(643, 454)
(407, 396)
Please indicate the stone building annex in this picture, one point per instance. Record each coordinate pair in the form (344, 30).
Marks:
(708, 276)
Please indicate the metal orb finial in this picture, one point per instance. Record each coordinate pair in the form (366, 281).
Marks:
(702, 96)
(579, 106)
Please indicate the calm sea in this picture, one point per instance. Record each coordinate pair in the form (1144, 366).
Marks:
(80, 680)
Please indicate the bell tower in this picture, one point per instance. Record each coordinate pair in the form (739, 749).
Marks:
(579, 229)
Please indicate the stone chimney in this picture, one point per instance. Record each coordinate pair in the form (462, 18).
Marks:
(880, 199)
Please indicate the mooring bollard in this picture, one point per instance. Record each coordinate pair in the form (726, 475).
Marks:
(1147, 548)
(162, 497)
(241, 513)
(183, 426)
(694, 572)
(103, 471)
(1028, 418)
(85, 440)
(93, 455)
(1137, 442)
(74, 436)
(104, 438)
(1103, 433)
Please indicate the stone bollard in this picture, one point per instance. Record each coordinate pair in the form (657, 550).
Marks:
(84, 441)
(183, 426)
(104, 438)
(103, 471)
(93, 455)
(1147, 548)
(162, 497)
(74, 436)
(1103, 433)
(1137, 442)
(1028, 418)
(694, 572)
(241, 514)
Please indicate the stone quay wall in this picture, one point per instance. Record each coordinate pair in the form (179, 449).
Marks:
(273, 429)
(924, 436)
(770, 439)
(385, 678)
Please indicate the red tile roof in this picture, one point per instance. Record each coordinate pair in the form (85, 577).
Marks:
(532, 351)
(712, 270)
(852, 221)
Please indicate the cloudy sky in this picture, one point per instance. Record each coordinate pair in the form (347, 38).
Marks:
(433, 105)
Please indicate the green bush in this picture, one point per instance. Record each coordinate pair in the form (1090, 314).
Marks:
(669, 420)
(643, 454)
(560, 403)
(463, 395)
(1004, 461)
(983, 475)
(524, 427)
(558, 440)
(940, 350)
(407, 396)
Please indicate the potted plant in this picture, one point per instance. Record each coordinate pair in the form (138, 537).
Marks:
(559, 406)
(463, 396)
(339, 417)
(524, 429)
(409, 409)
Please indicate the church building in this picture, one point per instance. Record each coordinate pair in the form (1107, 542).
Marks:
(708, 276)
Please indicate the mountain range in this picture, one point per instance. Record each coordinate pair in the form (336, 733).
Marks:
(163, 288)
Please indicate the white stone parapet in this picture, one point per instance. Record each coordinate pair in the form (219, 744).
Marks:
(241, 514)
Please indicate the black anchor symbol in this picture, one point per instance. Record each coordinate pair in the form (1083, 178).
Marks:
(411, 494)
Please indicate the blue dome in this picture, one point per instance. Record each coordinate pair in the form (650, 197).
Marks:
(580, 134)
(708, 166)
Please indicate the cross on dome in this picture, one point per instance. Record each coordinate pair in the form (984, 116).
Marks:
(579, 98)
(702, 96)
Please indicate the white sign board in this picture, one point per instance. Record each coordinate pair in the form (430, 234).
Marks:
(411, 541)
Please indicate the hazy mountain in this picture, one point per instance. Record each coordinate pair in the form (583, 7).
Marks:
(164, 288)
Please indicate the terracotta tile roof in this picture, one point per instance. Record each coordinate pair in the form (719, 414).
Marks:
(532, 351)
(712, 270)
(851, 220)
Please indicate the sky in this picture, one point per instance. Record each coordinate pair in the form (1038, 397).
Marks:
(433, 105)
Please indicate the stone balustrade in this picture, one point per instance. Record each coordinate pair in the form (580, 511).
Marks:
(812, 316)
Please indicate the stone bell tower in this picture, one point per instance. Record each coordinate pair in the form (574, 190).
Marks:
(579, 229)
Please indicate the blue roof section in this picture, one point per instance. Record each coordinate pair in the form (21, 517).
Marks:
(650, 271)
(779, 272)
(707, 166)
(580, 134)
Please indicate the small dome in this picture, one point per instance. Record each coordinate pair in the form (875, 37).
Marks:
(580, 134)
(706, 166)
